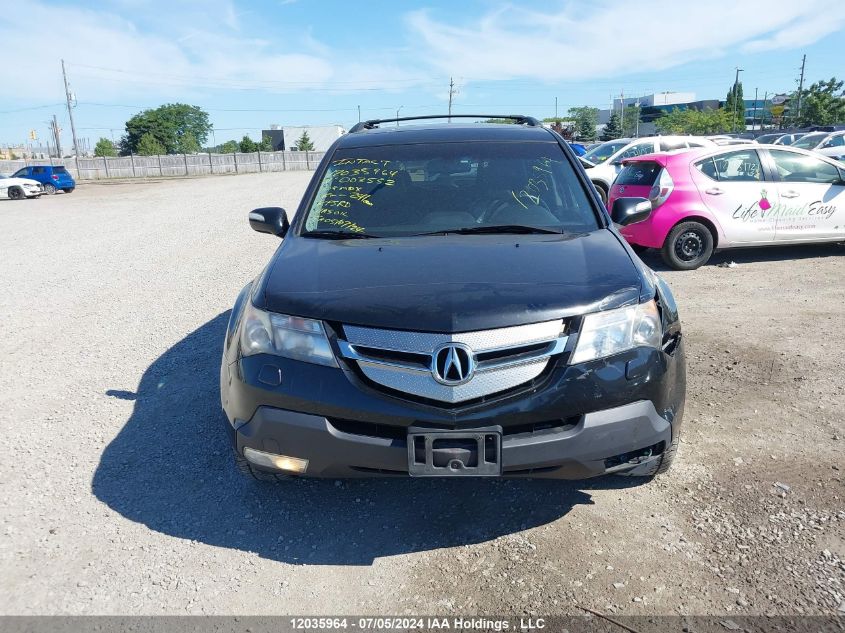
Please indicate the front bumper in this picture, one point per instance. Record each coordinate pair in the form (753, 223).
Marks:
(590, 447)
(574, 423)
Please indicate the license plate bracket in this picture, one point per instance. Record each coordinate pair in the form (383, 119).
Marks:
(458, 453)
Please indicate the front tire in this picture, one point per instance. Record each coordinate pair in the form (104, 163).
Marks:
(688, 246)
(49, 189)
(15, 193)
(69, 190)
(602, 193)
(658, 466)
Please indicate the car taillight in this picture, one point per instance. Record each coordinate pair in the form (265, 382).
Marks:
(661, 189)
(55, 177)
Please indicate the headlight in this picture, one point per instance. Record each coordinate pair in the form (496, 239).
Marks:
(283, 335)
(606, 333)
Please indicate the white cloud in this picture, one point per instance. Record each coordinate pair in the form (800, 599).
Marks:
(607, 38)
(194, 48)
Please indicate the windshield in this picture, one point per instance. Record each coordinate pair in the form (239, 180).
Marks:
(599, 154)
(638, 173)
(809, 141)
(403, 190)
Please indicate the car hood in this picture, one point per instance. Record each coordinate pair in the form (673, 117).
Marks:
(19, 181)
(450, 283)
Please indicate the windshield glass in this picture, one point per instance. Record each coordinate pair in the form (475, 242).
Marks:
(402, 190)
(599, 154)
(809, 141)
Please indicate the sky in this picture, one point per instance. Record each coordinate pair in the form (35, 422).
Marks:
(251, 63)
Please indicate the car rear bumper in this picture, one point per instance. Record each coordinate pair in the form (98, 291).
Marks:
(599, 442)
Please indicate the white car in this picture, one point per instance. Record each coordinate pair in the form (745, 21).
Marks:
(827, 143)
(609, 163)
(19, 188)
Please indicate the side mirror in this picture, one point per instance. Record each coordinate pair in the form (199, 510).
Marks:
(630, 210)
(272, 220)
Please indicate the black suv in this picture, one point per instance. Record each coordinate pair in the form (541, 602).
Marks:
(453, 300)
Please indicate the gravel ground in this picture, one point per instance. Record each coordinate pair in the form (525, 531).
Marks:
(119, 495)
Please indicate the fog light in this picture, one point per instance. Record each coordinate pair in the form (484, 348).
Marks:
(279, 462)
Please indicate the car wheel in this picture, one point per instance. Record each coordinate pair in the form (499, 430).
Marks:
(15, 193)
(68, 190)
(602, 193)
(49, 189)
(688, 246)
(245, 468)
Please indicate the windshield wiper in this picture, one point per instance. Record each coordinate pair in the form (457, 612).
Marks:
(500, 228)
(339, 235)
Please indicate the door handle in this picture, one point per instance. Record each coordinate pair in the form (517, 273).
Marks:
(714, 191)
(790, 194)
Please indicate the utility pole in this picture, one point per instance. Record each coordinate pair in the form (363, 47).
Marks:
(556, 121)
(452, 92)
(359, 114)
(57, 143)
(763, 114)
(736, 86)
(70, 112)
(754, 116)
(622, 110)
(800, 89)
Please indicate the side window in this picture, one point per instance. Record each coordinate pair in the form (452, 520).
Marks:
(836, 141)
(38, 170)
(668, 146)
(637, 150)
(739, 166)
(21, 173)
(795, 167)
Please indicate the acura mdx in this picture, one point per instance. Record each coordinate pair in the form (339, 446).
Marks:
(453, 300)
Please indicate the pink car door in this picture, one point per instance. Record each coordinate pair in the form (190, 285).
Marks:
(812, 198)
(733, 187)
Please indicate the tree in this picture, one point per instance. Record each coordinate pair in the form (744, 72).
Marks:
(104, 147)
(229, 147)
(149, 145)
(585, 119)
(304, 144)
(734, 102)
(823, 103)
(698, 122)
(187, 144)
(247, 145)
(176, 126)
(613, 129)
(631, 120)
(266, 144)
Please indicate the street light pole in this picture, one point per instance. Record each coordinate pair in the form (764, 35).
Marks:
(397, 114)
(637, 133)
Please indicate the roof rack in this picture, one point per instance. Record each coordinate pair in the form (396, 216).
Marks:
(519, 119)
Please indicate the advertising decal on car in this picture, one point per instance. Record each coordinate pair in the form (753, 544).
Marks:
(764, 211)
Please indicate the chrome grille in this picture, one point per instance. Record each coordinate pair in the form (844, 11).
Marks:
(502, 358)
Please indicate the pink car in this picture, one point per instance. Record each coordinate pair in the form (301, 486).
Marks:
(754, 195)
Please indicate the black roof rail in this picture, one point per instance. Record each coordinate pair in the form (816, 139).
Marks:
(519, 119)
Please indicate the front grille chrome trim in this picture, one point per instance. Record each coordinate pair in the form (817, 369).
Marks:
(545, 340)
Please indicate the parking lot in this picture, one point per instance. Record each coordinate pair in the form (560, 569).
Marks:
(120, 496)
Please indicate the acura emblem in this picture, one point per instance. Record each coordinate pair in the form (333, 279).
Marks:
(453, 364)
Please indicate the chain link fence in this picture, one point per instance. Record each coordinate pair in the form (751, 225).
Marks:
(101, 168)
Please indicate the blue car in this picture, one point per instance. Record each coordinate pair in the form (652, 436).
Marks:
(52, 177)
(578, 148)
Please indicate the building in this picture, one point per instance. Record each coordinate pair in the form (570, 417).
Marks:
(653, 106)
(285, 138)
